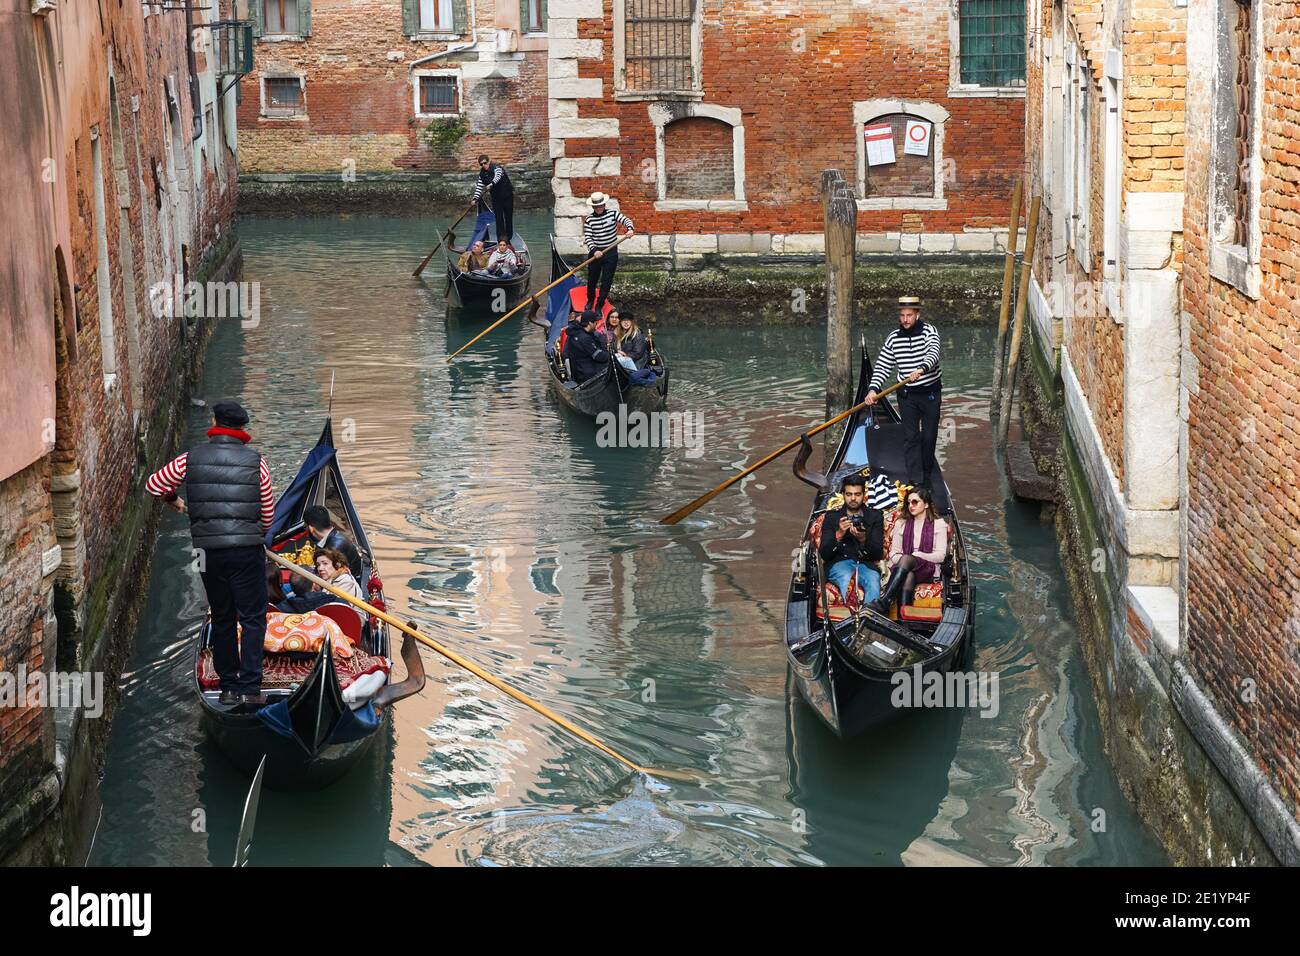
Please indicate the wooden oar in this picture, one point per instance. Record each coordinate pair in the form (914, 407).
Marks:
(532, 298)
(681, 513)
(420, 267)
(475, 670)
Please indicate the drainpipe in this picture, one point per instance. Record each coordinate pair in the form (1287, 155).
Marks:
(457, 48)
(196, 101)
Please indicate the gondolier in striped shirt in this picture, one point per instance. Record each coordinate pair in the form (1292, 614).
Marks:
(600, 232)
(912, 354)
(231, 509)
(493, 178)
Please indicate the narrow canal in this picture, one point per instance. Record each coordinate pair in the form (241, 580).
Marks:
(502, 527)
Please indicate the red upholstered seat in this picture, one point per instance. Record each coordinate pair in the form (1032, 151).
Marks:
(348, 620)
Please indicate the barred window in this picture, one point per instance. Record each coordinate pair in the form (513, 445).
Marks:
(283, 95)
(992, 42)
(438, 94)
(659, 50)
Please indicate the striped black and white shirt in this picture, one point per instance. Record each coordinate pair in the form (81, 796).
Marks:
(600, 231)
(904, 354)
(496, 178)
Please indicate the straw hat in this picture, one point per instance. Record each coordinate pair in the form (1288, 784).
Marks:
(909, 302)
(597, 199)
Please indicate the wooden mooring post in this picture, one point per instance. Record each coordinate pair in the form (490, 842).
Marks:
(1008, 286)
(841, 231)
(1022, 298)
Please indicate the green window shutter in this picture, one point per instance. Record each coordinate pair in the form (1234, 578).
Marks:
(255, 16)
(304, 17)
(458, 16)
(410, 17)
(523, 16)
(545, 21)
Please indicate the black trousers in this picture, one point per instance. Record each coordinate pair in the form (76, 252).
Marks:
(601, 273)
(503, 207)
(235, 579)
(919, 408)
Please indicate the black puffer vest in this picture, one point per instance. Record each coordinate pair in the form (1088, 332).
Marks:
(223, 484)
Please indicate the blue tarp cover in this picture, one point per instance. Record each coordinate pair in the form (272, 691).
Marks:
(290, 504)
(352, 725)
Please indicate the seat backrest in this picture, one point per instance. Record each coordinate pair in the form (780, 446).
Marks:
(348, 620)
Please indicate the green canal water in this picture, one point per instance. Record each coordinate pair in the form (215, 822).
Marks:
(506, 532)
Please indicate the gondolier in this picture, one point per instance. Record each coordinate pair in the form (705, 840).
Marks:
(911, 352)
(493, 178)
(231, 509)
(600, 232)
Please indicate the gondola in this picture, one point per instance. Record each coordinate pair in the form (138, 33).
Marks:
(844, 661)
(470, 289)
(307, 730)
(607, 391)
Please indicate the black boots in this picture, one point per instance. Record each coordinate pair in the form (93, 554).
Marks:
(891, 593)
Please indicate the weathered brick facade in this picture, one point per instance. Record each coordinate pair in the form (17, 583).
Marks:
(1170, 351)
(124, 179)
(793, 86)
(360, 67)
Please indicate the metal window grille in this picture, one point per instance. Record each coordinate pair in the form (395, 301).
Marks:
(283, 92)
(658, 54)
(438, 94)
(992, 42)
(1243, 36)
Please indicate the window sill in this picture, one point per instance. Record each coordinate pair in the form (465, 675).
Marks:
(438, 115)
(901, 202)
(624, 96)
(991, 92)
(705, 205)
(1231, 264)
(434, 37)
(283, 116)
(282, 38)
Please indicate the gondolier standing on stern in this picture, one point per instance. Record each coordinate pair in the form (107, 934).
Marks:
(600, 232)
(494, 178)
(231, 509)
(912, 352)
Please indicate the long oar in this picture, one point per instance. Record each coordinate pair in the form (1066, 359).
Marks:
(681, 513)
(532, 298)
(475, 670)
(420, 267)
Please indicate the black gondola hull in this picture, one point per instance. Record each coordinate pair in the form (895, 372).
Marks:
(605, 393)
(466, 290)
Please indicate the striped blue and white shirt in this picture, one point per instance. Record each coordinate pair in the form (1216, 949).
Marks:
(600, 230)
(496, 178)
(904, 354)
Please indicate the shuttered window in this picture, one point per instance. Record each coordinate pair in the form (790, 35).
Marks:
(532, 16)
(273, 18)
(434, 16)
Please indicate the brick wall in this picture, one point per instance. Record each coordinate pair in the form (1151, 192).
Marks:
(699, 159)
(360, 96)
(1243, 452)
(794, 75)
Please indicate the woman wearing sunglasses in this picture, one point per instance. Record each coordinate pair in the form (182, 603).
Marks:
(916, 549)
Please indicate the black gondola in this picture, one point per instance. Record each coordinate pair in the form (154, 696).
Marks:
(469, 289)
(610, 389)
(309, 733)
(845, 663)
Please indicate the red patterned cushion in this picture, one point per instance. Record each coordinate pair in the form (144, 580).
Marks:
(279, 672)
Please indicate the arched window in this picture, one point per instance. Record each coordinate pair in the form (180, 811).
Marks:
(699, 157)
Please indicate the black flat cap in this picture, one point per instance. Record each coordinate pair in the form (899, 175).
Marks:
(230, 413)
(589, 317)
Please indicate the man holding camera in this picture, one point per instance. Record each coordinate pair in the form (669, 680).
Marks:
(853, 535)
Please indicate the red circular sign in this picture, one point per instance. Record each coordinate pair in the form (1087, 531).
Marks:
(917, 133)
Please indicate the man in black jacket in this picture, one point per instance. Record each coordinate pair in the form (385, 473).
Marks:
(851, 536)
(231, 509)
(586, 353)
(325, 535)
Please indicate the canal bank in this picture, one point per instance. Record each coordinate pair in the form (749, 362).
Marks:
(52, 822)
(1177, 761)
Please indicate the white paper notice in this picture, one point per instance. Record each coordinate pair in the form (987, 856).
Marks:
(880, 144)
(918, 138)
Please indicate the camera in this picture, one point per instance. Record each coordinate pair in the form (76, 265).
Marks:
(857, 521)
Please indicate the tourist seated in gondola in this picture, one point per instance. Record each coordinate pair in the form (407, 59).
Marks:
(333, 567)
(852, 543)
(588, 355)
(324, 535)
(916, 549)
(473, 259)
(298, 596)
(503, 261)
(630, 348)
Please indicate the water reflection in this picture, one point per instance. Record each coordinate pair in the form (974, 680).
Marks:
(508, 533)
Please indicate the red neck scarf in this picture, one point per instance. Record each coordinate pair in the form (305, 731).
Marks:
(230, 432)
